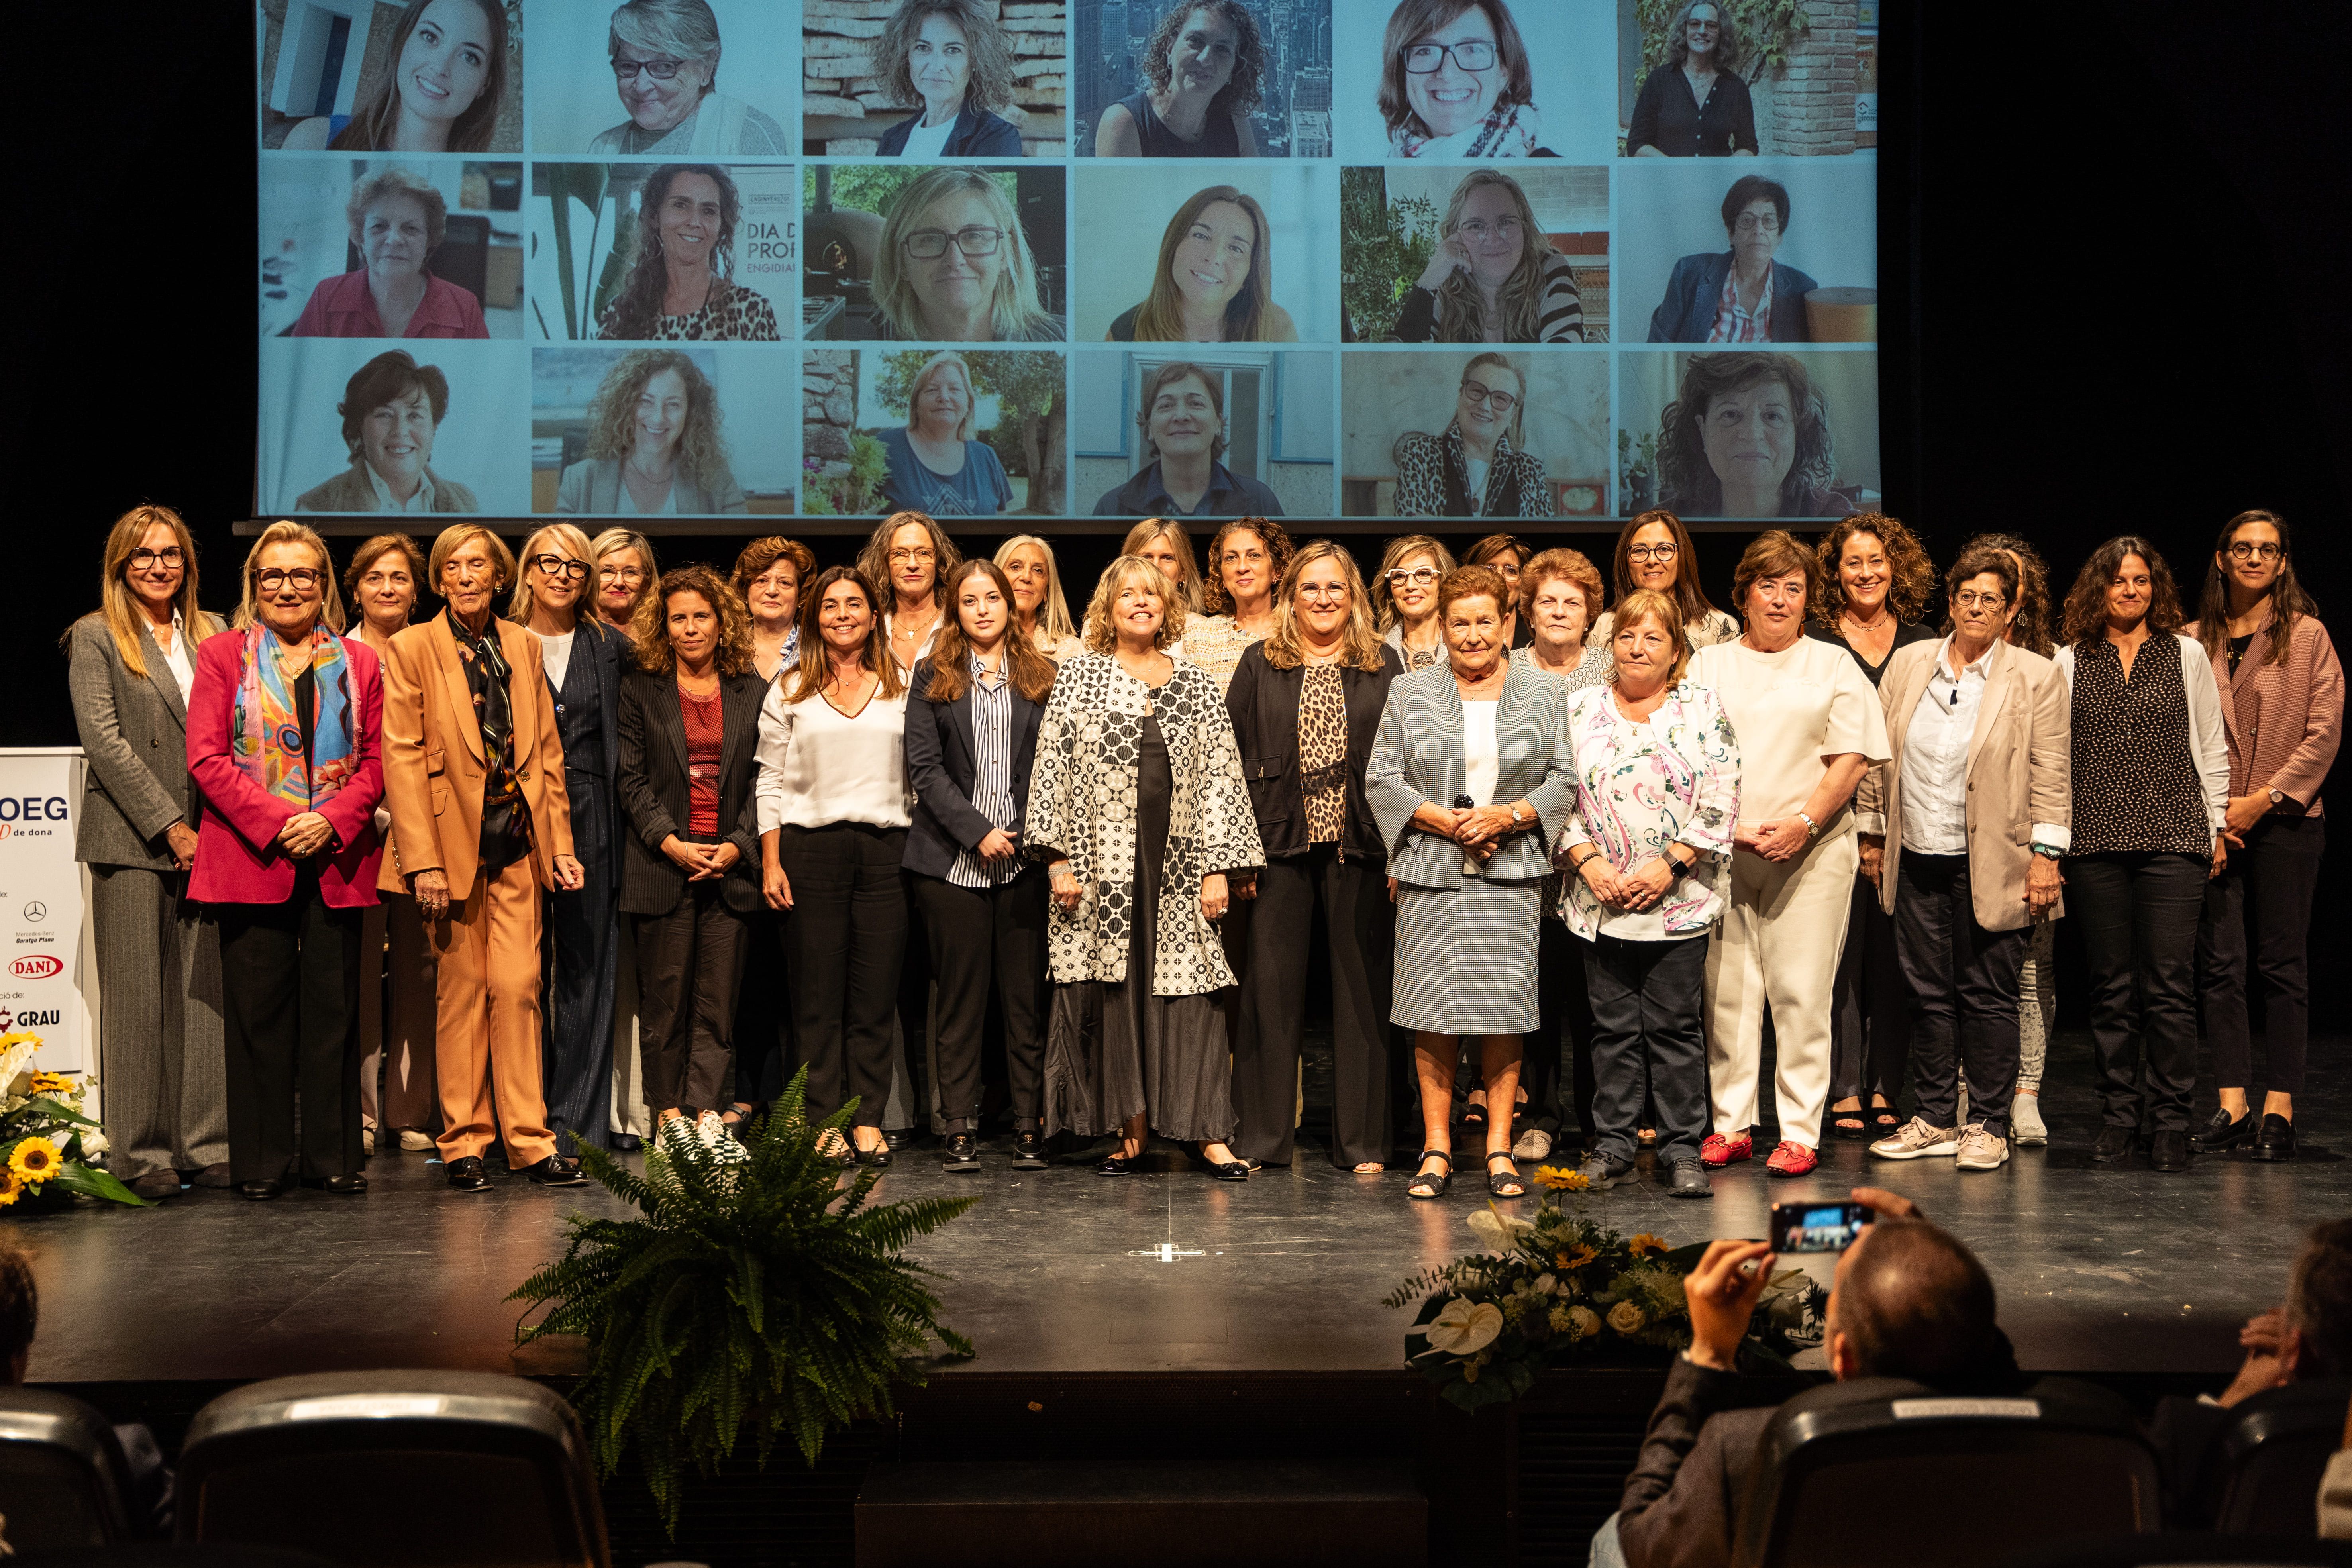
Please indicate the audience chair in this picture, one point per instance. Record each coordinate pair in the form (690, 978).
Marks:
(2263, 1471)
(63, 1482)
(389, 1470)
(2064, 1458)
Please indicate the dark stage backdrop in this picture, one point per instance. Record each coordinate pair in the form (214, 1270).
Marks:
(2111, 290)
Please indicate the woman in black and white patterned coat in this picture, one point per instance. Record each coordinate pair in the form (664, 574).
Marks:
(1138, 810)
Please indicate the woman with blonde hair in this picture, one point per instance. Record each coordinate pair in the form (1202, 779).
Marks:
(1040, 612)
(832, 835)
(954, 265)
(1306, 704)
(654, 443)
(1163, 543)
(1138, 810)
(131, 663)
(1404, 599)
(935, 464)
(1214, 282)
(1475, 466)
(397, 966)
(584, 663)
(626, 568)
(1493, 277)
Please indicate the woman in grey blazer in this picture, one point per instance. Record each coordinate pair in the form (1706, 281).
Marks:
(654, 443)
(133, 662)
(1470, 781)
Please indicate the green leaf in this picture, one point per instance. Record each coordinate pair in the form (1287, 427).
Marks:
(91, 1182)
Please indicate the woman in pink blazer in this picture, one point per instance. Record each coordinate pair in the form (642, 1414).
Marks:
(284, 732)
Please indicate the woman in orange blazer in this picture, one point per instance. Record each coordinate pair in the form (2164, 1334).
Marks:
(480, 823)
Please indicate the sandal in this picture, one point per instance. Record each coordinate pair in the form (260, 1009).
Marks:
(1498, 1180)
(1849, 1123)
(736, 1113)
(1885, 1121)
(1474, 1112)
(1436, 1181)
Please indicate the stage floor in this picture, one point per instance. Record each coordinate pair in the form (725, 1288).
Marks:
(1064, 1271)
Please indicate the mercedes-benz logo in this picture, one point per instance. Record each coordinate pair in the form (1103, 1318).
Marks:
(36, 912)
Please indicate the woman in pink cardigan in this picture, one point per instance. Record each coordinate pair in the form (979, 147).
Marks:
(2283, 706)
(284, 731)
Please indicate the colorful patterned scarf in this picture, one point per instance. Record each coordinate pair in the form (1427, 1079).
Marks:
(267, 728)
(1510, 131)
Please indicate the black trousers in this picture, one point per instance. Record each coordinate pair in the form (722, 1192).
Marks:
(291, 984)
(763, 1010)
(2261, 905)
(689, 967)
(1354, 895)
(2139, 915)
(1963, 984)
(1649, 1042)
(1563, 1035)
(844, 940)
(977, 934)
(1870, 1012)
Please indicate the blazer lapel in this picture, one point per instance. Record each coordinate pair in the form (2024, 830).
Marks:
(672, 719)
(159, 676)
(2000, 680)
(457, 692)
(1454, 771)
(740, 709)
(1906, 702)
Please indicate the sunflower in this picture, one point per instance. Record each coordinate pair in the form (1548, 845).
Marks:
(11, 1189)
(1575, 1257)
(1561, 1179)
(52, 1083)
(1646, 1245)
(35, 1161)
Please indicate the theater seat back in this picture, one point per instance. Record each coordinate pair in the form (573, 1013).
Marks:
(495, 1469)
(2064, 1458)
(2263, 1476)
(62, 1478)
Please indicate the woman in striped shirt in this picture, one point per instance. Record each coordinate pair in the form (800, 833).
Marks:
(1493, 277)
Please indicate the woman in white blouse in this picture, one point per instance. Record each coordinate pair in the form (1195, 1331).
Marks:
(1809, 727)
(832, 832)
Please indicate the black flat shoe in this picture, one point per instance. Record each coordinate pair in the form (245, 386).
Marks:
(348, 1186)
(2115, 1144)
(557, 1171)
(2221, 1132)
(1120, 1165)
(2277, 1142)
(1028, 1152)
(2169, 1151)
(260, 1191)
(878, 1157)
(1228, 1170)
(466, 1174)
(963, 1153)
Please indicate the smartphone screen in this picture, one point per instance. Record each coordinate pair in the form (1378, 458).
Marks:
(1817, 1227)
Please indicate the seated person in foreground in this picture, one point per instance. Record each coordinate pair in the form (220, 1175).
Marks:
(148, 1498)
(1909, 1301)
(2308, 1338)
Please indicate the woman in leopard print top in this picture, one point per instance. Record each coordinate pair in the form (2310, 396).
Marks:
(1475, 469)
(678, 286)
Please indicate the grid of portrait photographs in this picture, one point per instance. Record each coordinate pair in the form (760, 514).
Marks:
(682, 259)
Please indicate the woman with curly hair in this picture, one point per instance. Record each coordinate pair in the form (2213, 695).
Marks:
(1493, 277)
(1455, 83)
(654, 445)
(689, 717)
(1215, 283)
(1247, 559)
(953, 265)
(2151, 786)
(679, 285)
(1204, 64)
(1747, 435)
(1695, 104)
(947, 55)
(1875, 579)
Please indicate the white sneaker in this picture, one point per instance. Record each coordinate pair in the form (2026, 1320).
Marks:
(412, 1141)
(1915, 1139)
(1535, 1144)
(1980, 1150)
(2025, 1122)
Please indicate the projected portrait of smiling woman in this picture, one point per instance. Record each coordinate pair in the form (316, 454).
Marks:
(391, 408)
(654, 443)
(1747, 435)
(1455, 83)
(664, 56)
(397, 223)
(443, 85)
(681, 285)
(1214, 281)
(1203, 69)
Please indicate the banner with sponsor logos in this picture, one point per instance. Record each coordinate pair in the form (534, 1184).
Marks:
(47, 986)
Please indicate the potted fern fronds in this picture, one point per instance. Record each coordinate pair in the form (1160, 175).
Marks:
(751, 1290)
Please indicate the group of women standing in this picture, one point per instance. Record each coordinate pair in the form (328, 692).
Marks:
(918, 776)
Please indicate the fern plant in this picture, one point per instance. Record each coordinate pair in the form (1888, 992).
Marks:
(751, 1291)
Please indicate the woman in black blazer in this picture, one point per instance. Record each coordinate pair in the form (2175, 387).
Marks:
(971, 742)
(1306, 705)
(690, 750)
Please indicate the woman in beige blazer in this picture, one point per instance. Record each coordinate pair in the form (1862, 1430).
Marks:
(1961, 828)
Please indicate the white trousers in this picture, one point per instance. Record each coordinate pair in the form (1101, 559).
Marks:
(1777, 947)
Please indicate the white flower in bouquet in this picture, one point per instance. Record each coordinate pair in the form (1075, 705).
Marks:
(1496, 1231)
(1626, 1318)
(94, 1143)
(1587, 1321)
(1464, 1328)
(1563, 1321)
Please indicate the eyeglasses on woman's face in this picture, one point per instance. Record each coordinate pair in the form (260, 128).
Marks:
(275, 578)
(1418, 577)
(1494, 397)
(1968, 599)
(143, 559)
(1471, 55)
(661, 69)
(2239, 550)
(975, 239)
(1653, 552)
(628, 576)
(561, 566)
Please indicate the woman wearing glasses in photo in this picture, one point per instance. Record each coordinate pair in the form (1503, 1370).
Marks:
(1216, 280)
(681, 284)
(2283, 702)
(584, 664)
(955, 265)
(131, 662)
(285, 741)
(1404, 599)
(949, 56)
(625, 563)
(1740, 295)
(398, 972)
(1456, 84)
(1203, 68)
(1654, 551)
(1493, 277)
(1040, 610)
(1475, 469)
(443, 85)
(664, 56)
(1697, 104)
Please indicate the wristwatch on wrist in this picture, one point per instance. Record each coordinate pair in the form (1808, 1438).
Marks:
(1812, 827)
(2278, 797)
(2049, 851)
(1517, 821)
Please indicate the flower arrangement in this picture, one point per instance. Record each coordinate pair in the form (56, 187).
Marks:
(1560, 1287)
(45, 1140)
(751, 1290)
